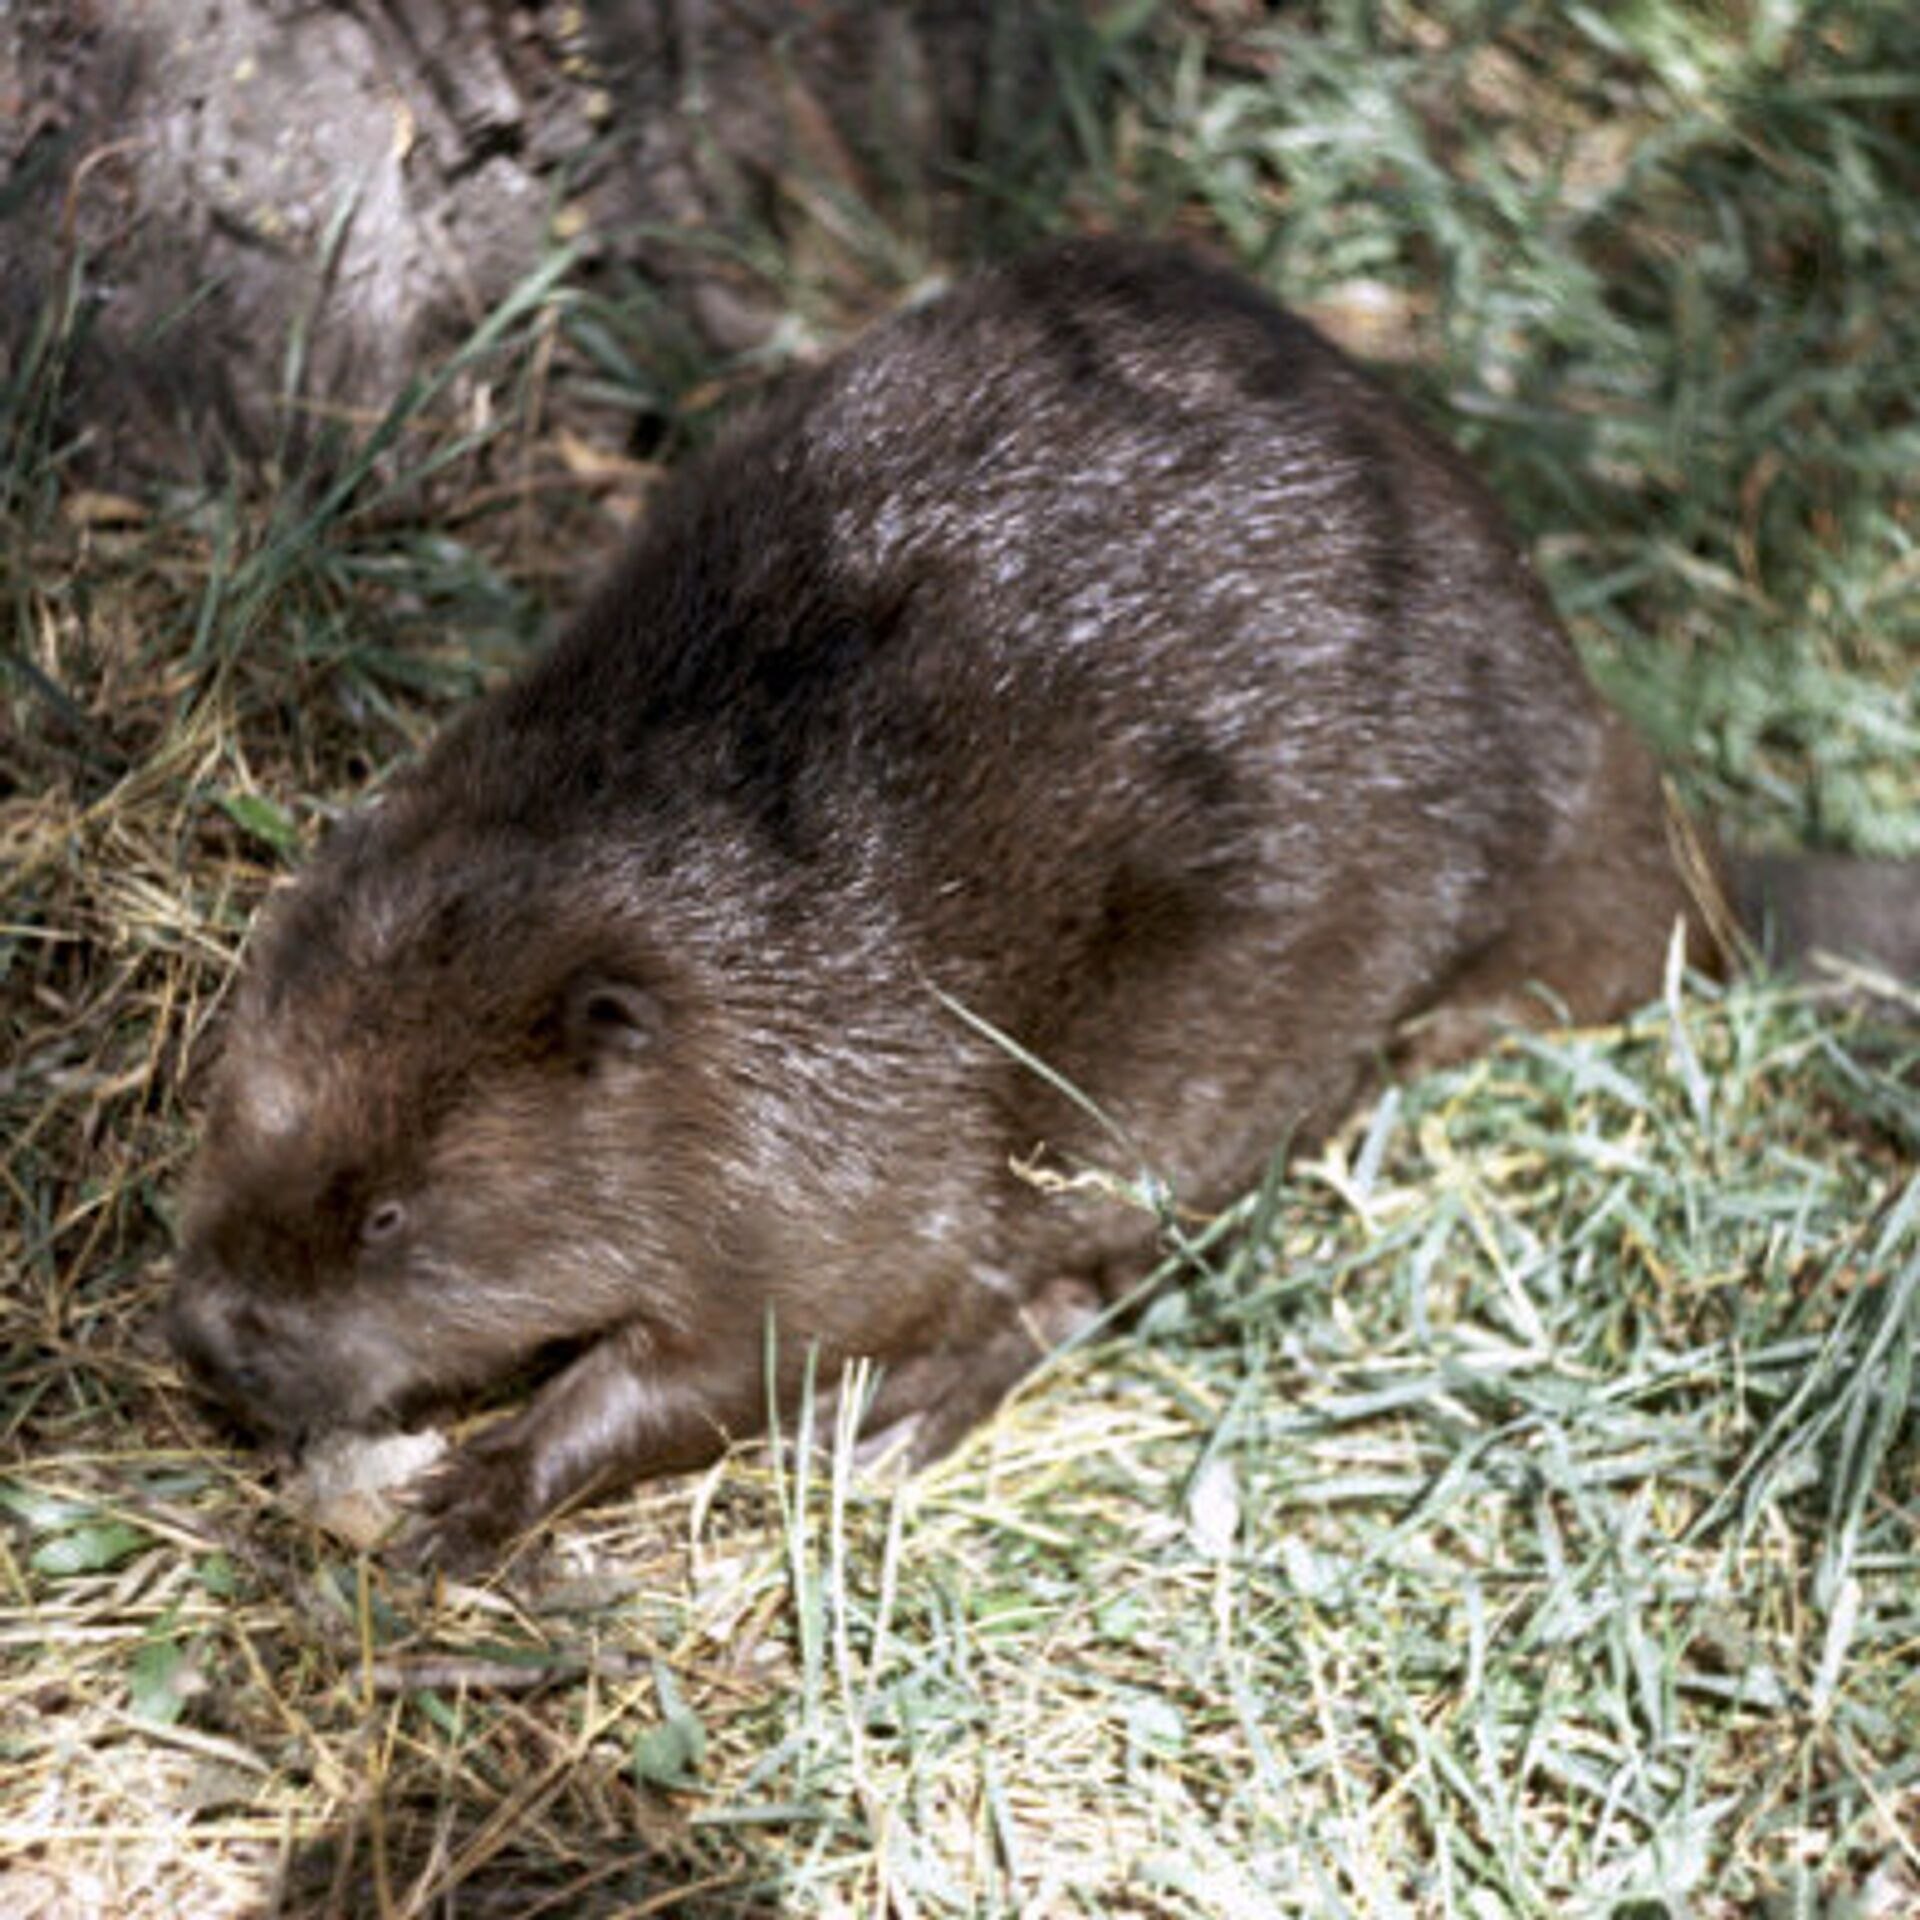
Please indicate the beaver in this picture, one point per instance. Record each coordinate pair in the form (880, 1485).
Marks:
(1088, 719)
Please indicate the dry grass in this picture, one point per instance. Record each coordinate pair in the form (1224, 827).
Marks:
(1515, 1514)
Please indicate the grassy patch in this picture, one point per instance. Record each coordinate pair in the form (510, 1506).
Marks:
(1515, 1514)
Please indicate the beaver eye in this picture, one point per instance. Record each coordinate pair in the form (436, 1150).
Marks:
(382, 1224)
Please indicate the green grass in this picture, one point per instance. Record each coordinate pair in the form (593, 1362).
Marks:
(1514, 1513)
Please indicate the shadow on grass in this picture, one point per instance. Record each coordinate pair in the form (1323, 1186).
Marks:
(414, 1869)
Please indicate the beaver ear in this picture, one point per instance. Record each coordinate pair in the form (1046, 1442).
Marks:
(603, 1018)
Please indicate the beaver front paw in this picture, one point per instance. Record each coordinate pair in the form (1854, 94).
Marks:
(468, 1509)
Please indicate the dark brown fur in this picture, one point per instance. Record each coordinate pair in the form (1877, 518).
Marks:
(1095, 650)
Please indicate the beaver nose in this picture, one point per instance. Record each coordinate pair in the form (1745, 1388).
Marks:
(217, 1350)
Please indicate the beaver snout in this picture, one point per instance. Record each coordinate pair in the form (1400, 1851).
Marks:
(221, 1342)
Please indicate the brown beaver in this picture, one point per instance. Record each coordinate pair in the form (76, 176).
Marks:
(1090, 668)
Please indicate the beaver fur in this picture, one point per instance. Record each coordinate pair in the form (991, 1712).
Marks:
(1090, 667)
